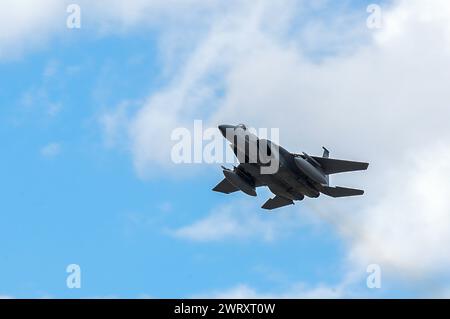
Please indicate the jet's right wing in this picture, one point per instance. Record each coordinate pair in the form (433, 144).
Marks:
(341, 191)
(277, 202)
(225, 187)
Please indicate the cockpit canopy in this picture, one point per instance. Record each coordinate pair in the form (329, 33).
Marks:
(242, 126)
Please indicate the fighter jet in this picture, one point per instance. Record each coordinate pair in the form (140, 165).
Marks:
(294, 177)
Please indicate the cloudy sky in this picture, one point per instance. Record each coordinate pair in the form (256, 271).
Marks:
(85, 126)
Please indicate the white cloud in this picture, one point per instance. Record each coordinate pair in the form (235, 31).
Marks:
(381, 101)
(243, 220)
(51, 150)
(113, 123)
(38, 99)
(235, 35)
(406, 230)
(29, 24)
(243, 291)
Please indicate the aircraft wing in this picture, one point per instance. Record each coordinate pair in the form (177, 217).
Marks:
(277, 202)
(225, 187)
(341, 191)
(333, 166)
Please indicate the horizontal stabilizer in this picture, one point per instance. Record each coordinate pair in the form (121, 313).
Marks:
(341, 191)
(277, 202)
(333, 166)
(225, 187)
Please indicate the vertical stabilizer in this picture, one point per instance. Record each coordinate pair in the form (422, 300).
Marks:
(326, 154)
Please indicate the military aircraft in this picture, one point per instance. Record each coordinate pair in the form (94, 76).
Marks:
(294, 177)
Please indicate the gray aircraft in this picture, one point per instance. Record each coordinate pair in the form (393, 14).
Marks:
(295, 176)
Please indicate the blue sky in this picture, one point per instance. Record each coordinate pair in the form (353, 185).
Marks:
(73, 192)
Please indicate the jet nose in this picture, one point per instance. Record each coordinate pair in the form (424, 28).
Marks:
(224, 127)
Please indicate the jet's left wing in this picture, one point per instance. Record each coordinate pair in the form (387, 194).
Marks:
(277, 202)
(333, 166)
(225, 187)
